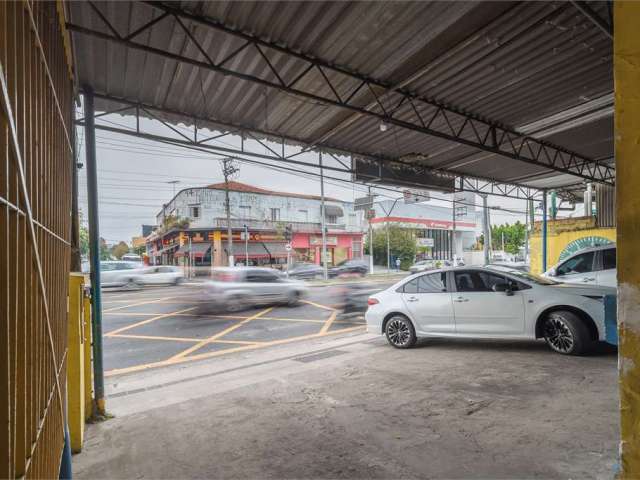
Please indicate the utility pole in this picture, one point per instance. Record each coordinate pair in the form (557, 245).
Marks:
(453, 233)
(486, 230)
(322, 221)
(526, 231)
(246, 245)
(387, 215)
(370, 239)
(228, 169)
(173, 183)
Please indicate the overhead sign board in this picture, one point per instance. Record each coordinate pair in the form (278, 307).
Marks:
(400, 175)
(363, 203)
(412, 195)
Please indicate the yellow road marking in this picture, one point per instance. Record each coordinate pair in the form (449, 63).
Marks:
(328, 323)
(202, 356)
(144, 322)
(204, 342)
(132, 305)
(319, 305)
(180, 339)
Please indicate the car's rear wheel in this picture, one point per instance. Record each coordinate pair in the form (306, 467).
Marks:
(400, 332)
(566, 333)
(293, 298)
(132, 284)
(235, 304)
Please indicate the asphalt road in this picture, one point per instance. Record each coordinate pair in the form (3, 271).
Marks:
(162, 326)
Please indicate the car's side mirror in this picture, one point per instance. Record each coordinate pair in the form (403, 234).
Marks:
(505, 287)
(552, 273)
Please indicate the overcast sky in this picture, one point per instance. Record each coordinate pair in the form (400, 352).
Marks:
(133, 176)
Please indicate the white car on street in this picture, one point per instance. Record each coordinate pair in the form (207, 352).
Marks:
(488, 303)
(591, 266)
(135, 275)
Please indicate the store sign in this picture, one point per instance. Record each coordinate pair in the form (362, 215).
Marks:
(581, 244)
(415, 196)
(363, 203)
(317, 241)
(425, 242)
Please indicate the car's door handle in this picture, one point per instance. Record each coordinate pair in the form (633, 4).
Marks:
(588, 279)
(412, 299)
(461, 299)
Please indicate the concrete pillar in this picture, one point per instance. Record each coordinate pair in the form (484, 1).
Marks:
(627, 153)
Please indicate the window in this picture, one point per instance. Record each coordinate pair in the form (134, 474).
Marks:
(275, 214)
(356, 248)
(431, 283)
(261, 277)
(245, 211)
(194, 211)
(609, 259)
(332, 219)
(304, 215)
(579, 264)
(475, 281)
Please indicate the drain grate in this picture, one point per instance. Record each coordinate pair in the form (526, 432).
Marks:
(319, 356)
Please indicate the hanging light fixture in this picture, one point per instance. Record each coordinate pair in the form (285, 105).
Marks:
(383, 126)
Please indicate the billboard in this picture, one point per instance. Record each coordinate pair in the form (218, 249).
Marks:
(399, 175)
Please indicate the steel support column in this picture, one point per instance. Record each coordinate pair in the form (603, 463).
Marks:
(627, 152)
(544, 231)
(94, 248)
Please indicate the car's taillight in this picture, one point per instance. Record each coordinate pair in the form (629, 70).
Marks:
(372, 301)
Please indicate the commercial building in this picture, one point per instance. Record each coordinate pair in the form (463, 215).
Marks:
(194, 225)
(433, 225)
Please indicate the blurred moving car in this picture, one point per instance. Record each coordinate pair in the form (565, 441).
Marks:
(349, 268)
(136, 275)
(486, 303)
(162, 275)
(121, 274)
(422, 265)
(236, 288)
(591, 266)
(306, 271)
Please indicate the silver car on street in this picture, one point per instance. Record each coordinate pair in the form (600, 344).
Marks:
(237, 288)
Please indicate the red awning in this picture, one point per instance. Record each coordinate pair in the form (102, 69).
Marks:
(198, 250)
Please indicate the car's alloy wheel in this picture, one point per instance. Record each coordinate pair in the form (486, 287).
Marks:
(400, 332)
(558, 334)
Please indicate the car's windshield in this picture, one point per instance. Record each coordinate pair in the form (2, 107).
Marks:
(531, 277)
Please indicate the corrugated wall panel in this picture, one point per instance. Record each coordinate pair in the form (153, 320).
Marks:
(35, 226)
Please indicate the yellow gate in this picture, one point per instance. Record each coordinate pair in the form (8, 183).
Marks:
(36, 154)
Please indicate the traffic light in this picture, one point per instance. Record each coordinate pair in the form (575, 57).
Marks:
(288, 233)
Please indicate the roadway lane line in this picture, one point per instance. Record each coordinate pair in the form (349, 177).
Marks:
(144, 322)
(230, 329)
(328, 323)
(181, 339)
(203, 356)
(155, 300)
(319, 305)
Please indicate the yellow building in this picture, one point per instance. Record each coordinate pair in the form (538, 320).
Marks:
(564, 236)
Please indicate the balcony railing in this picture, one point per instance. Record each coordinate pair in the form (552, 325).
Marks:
(303, 227)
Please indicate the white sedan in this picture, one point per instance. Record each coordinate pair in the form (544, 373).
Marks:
(488, 303)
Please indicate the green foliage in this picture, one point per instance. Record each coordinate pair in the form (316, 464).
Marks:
(402, 243)
(119, 249)
(514, 236)
(141, 250)
(105, 253)
(171, 222)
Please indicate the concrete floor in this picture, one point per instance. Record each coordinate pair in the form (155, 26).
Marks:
(353, 407)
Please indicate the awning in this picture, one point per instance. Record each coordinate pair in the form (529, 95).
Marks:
(260, 250)
(333, 210)
(197, 250)
(165, 250)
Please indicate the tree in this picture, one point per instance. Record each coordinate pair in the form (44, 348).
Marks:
(105, 254)
(514, 236)
(402, 244)
(119, 249)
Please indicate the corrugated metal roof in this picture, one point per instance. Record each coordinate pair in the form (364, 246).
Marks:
(510, 62)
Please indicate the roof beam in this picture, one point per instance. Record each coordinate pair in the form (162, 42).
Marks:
(476, 185)
(441, 119)
(592, 15)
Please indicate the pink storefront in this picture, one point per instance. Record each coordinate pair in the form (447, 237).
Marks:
(340, 246)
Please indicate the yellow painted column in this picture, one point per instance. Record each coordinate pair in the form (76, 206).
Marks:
(627, 153)
(75, 362)
(88, 377)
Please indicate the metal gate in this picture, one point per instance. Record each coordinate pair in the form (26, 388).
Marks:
(36, 99)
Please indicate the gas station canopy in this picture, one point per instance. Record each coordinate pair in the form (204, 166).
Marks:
(517, 93)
